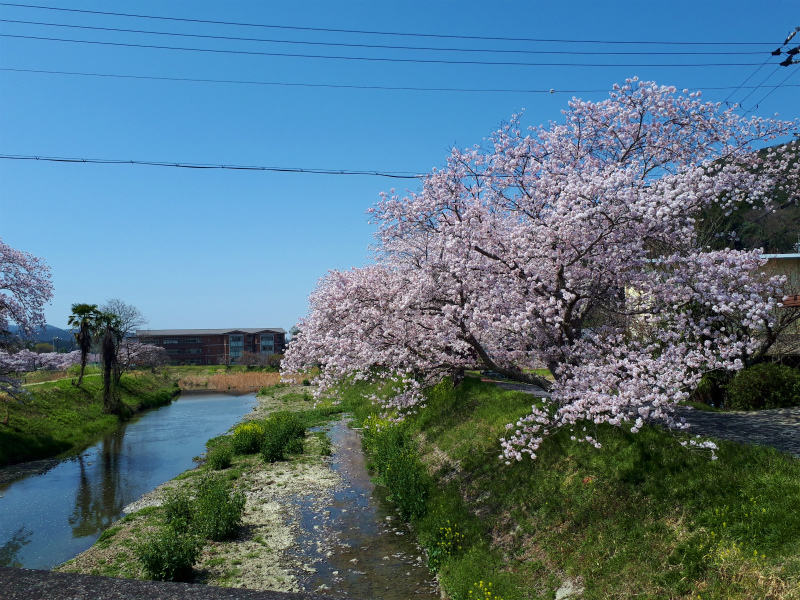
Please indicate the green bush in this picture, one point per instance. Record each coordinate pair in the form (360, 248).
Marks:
(273, 449)
(282, 435)
(306, 382)
(178, 511)
(392, 454)
(294, 446)
(248, 437)
(408, 482)
(218, 509)
(289, 423)
(767, 385)
(169, 555)
(220, 457)
(711, 389)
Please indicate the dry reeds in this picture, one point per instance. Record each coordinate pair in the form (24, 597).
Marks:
(238, 382)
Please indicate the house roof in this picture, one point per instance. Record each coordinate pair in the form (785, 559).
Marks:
(168, 332)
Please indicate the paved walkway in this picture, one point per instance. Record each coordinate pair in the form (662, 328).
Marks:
(778, 427)
(30, 584)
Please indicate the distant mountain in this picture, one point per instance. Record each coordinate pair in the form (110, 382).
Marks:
(65, 338)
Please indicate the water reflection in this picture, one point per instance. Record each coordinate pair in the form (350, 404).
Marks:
(9, 550)
(49, 518)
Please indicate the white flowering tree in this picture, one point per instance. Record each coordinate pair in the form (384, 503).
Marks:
(574, 246)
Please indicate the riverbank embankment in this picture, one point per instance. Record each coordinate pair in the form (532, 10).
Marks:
(58, 419)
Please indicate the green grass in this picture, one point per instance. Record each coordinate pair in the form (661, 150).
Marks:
(56, 418)
(641, 517)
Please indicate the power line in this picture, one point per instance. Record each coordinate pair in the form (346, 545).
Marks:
(203, 166)
(341, 86)
(377, 46)
(763, 81)
(363, 58)
(392, 33)
(738, 87)
(755, 106)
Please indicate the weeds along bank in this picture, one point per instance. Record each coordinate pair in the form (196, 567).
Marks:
(640, 517)
(56, 417)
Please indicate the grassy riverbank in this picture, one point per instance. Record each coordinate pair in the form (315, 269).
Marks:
(56, 418)
(641, 517)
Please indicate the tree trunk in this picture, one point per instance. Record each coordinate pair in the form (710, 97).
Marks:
(110, 404)
(515, 374)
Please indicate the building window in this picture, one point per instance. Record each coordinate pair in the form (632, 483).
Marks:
(236, 347)
(267, 343)
(194, 351)
(173, 351)
(172, 341)
(192, 340)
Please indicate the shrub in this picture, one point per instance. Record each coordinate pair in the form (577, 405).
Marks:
(220, 457)
(280, 431)
(289, 423)
(274, 360)
(325, 448)
(711, 389)
(169, 555)
(273, 449)
(766, 385)
(247, 438)
(218, 509)
(294, 446)
(408, 482)
(178, 511)
(306, 382)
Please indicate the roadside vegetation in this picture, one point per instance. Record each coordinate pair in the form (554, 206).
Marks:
(57, 418)
(641, 517)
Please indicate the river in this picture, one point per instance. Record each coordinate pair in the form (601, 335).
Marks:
(49, 518)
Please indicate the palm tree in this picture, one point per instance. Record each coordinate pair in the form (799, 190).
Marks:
(83, 319)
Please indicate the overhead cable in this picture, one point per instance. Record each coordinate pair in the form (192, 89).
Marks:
(378, 46)
(392, 33)
(202, 166)
(365, 58)
(345, 86)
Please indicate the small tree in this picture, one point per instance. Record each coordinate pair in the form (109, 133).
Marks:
(83, 318)
(253, 359)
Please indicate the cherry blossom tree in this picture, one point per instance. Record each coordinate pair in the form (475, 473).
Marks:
(573, 246)
(24, 289)
(133, 353)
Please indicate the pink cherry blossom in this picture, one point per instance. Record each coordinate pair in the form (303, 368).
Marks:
(571, 246)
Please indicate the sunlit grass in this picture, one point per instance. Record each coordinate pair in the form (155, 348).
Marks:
(640, 517)
(56, 416)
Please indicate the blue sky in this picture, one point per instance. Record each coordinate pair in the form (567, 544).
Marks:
(193, 248)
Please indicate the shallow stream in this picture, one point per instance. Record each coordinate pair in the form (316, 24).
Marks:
(354, 539)
(49, 518)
